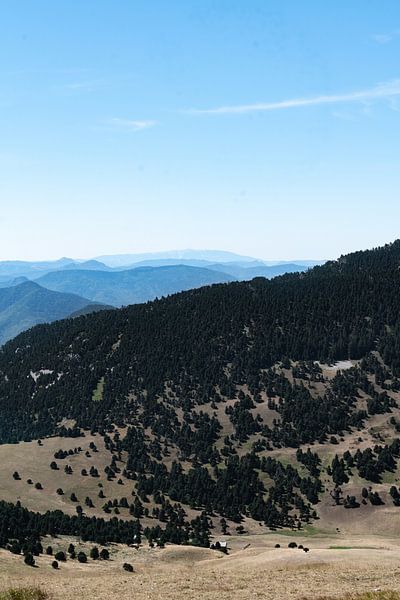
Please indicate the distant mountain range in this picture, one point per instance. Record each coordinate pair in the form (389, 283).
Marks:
(193, 258)
(209, 256)
(11, 270)
(68, 287)
(134, 285)
(255, 269)
(217, 260)
(27, 304)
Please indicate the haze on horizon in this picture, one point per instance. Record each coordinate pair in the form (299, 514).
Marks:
(266, 129)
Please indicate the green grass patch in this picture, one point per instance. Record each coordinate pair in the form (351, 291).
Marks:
(99, 391)
(24, 594)
(353, 548)
(308, 531)
(290, 459)
(247, 446)
(389, 477)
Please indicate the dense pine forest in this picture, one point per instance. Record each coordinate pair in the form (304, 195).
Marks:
(167, 378)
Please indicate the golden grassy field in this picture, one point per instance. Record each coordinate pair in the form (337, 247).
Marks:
(354, 554)
(335, 567)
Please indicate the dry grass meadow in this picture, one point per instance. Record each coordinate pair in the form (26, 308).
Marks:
(354, 554)
(335, 567)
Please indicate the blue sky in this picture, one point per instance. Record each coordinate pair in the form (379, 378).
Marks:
(270, 128)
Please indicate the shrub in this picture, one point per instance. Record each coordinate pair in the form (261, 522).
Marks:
(104, 554)
(128, 567)
(15, 547)
(94, 553)
(292, 545)
(24, 594)
(60, 556)
(54, 564)
(82, 558)
(29, 560)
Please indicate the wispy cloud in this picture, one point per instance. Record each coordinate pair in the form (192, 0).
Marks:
(382, 91)
(385, 38)
(131, 125)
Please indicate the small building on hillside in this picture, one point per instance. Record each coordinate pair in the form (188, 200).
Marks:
(220, 545)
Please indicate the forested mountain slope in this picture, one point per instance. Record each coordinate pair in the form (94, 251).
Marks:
(196, 395)
(203, 340)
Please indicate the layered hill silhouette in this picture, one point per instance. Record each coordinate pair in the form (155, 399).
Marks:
(116, 283)
(11, 269)
(249, 271)
(27, 304)
(131, 286)
(199, 256)
(221, 261)
(104, 285)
